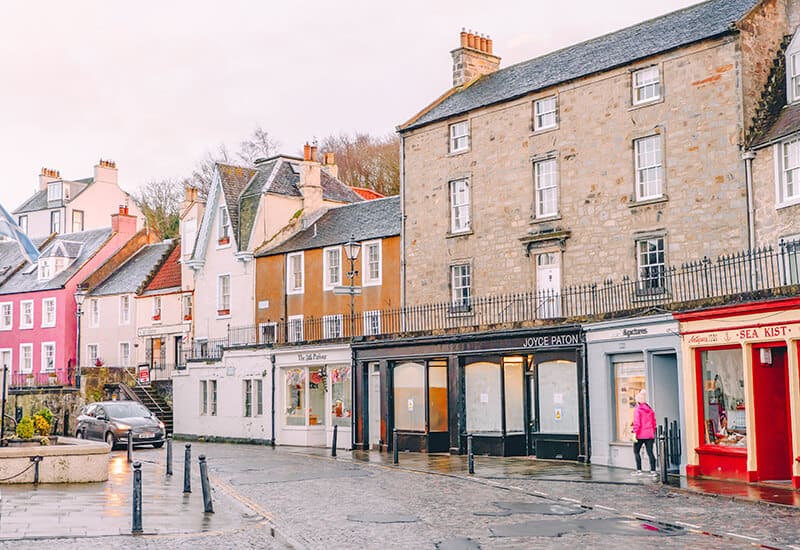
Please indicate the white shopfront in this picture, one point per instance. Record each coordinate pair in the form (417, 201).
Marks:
(313, 390)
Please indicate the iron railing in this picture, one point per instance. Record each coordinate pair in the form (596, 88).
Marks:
(671, 288)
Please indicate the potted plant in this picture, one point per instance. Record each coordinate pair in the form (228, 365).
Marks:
(32, 432)
(99, 362)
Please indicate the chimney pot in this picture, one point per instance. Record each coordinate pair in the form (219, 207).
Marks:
(314, 157)
(483, 44)
(306, 152)
(488, 44)
(463, 38)
(470, 40)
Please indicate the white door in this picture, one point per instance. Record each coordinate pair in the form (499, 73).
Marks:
(5, 361)
(374, 405)
(548, 285)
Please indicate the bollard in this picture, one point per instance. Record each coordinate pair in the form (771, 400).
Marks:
(66, 424)
(36, 460)
(207, 504)
(335, 434)
(136, 528)
(470, 455)
(662, 454)
(187, 469)
(395, 456)
(130, 446)
(169, 455)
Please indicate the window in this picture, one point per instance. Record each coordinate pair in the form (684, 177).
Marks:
(789, 170)
(789, 260)
(294, 328)
(208, 397)
(223, 295)
(371, 264)
(54, 191)
(49, 312)
(648, 167)
(186, 303)
(629, 379)
(6, 358)
(652, 273)
(409, 397)
(223, 228)
(544, 113)
(332, 269)
(793, 70)
(124, 354)
(124, 310)
(482, 396)
(295, 398)
(93, 354)
(48, 357)
(723, 397)
(253, 397)
(45, 269)
(340, 396)
(294, 273)
(545, 173)
(77, 221)
(23, 224)
(459, 137)
(459, 206)
(94, 312)
(26, 314)
(332, 326)
(26, 358)
(55, 221)
(646, 85)
(267, 333)
(461, 283)
(6, 315)
(372, 323)
(156, 308)
(189, 231)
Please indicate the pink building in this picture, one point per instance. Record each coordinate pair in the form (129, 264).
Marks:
(38, 326)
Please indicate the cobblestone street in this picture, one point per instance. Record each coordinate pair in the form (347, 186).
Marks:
(292, 497)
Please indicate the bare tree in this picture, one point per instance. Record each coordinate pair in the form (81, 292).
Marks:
(367, 161)
(258, 145)
(159, 201)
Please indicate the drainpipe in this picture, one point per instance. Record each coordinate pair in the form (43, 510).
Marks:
(272, 359)
(748, 157)
(402, 224)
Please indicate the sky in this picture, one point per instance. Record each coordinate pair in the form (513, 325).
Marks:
(155, 85)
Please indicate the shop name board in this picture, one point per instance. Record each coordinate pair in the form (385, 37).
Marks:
(653, 330)
(740, 335)
(552, 340)
(628, 332)
(313, 356)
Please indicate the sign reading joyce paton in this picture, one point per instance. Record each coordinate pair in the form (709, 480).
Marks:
(552, 340)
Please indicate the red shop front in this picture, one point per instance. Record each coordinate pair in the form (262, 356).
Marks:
(742, 385)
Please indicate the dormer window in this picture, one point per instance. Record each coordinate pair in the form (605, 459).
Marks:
(54, 191)
(57, 258)
(793, 68)
(45, 269)
(223, 230)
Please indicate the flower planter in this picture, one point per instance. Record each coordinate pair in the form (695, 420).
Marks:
(224, 240)
(52, 440)
(221, 312)
(187, 317)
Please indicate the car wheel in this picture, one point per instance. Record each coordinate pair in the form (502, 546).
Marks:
(158, 445)
(111, 440)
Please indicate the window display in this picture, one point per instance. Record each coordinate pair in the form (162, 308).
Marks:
(629, 379)
(340, 396)
(409, 396)
(482, 397)
(558, 397)
(723, 397)
(316, 396)
(513, 383)
(295, 397)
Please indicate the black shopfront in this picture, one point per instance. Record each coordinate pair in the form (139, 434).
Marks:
(518, 392)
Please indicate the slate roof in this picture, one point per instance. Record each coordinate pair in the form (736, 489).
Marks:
(63, 249)
(91, 241)
(168, 275)
(661, 34)
(366, 220)
(37, 202)
(788, 122)
(134, 273)
(234, 181)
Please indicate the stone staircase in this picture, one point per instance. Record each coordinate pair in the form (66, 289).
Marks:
(155, 403)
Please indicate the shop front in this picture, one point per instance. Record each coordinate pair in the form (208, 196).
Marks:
(516, 392)
(624, 357)
(742, 383)
(314, 389)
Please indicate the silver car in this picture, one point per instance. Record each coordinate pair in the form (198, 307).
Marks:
(110, 421)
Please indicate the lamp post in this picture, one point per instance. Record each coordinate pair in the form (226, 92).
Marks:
(80, 296)
(351, 250)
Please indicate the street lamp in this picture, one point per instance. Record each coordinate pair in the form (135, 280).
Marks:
(351, 250)
(80, 296)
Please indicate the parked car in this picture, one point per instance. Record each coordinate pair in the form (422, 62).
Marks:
(110, 421)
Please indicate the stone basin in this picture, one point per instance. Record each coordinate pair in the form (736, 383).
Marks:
(70, 460)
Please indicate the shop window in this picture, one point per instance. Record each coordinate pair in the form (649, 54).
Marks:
(341, 398)
(629, 379)
(437, 397)
(482, 397)
(316, 396)
(725, 421)
(409, 397)
(295, 397)
(558, 397)
(513, 372)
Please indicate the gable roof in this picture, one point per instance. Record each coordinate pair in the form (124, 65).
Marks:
(168, 274)
(234, 180)
(63, 249)
(38, 201)
(134, 273)
(787, 123)
(363, 221)
(673, 30)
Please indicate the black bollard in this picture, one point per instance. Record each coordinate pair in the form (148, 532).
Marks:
(662, 453)
(395, 456)
(187, 469)
(207, 504)
(66, 424)
(169, 455)
(36, 460)
(136, 528)
(130, 446)
(470, 456)
(335, 435)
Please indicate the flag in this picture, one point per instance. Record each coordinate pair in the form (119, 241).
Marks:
(10, 229)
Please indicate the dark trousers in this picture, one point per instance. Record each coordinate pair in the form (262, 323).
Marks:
(637, 448)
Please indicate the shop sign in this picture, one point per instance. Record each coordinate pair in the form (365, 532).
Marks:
(736, 336)
(552, 340)
(631, 332)
(312, 356)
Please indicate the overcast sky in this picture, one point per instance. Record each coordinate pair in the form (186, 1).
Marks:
(155, 85)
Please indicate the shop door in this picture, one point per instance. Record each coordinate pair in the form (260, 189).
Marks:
(771, 407)
(665, 399)
(555, 410)
(438, 426)
(548, 285)
(374, 406)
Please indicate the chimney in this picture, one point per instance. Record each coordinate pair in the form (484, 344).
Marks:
(473, 58)
(310, 180)
(329, 165)
(105, 171)
(122, 222)
(47, 175)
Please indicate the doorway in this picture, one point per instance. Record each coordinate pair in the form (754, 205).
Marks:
(548, 285)
(771, 407)
(374, 406)
(421, 406)
(666, 403)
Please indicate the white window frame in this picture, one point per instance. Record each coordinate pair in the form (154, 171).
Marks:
(22, 222)
(546, 187)
(460, 206)
(124, 309)
(543, 110)
(368, 278)
(789, 259)
(45, 269)
(332, 326)
(92, 354)
(55, 191)
(55, 216)
(23, 369)
(254, 394)
(187, 307)
(23, 324)
(124, 359)
(223, 227)
(459, 137)
(643, 166)
(372, 322)
(646, 85)
(208, 397)
(262, 333)
(783, 196)
(291, 273)
(156, 309)
(221, 296)
(10, 364)
(79, 214)
(94, 312)
(6, 325)
(49, 322)
(294, 328)
(43, 357)
(643, 266)
(457, 276)
(793, 74)
(331, 275)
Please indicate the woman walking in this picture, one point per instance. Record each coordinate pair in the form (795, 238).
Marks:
(644, 432)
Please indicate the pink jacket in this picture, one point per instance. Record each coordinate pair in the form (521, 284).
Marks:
(644, 422)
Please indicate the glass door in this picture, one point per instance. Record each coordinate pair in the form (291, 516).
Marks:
(438, 427)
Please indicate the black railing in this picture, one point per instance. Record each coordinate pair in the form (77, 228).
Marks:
(671, 288)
